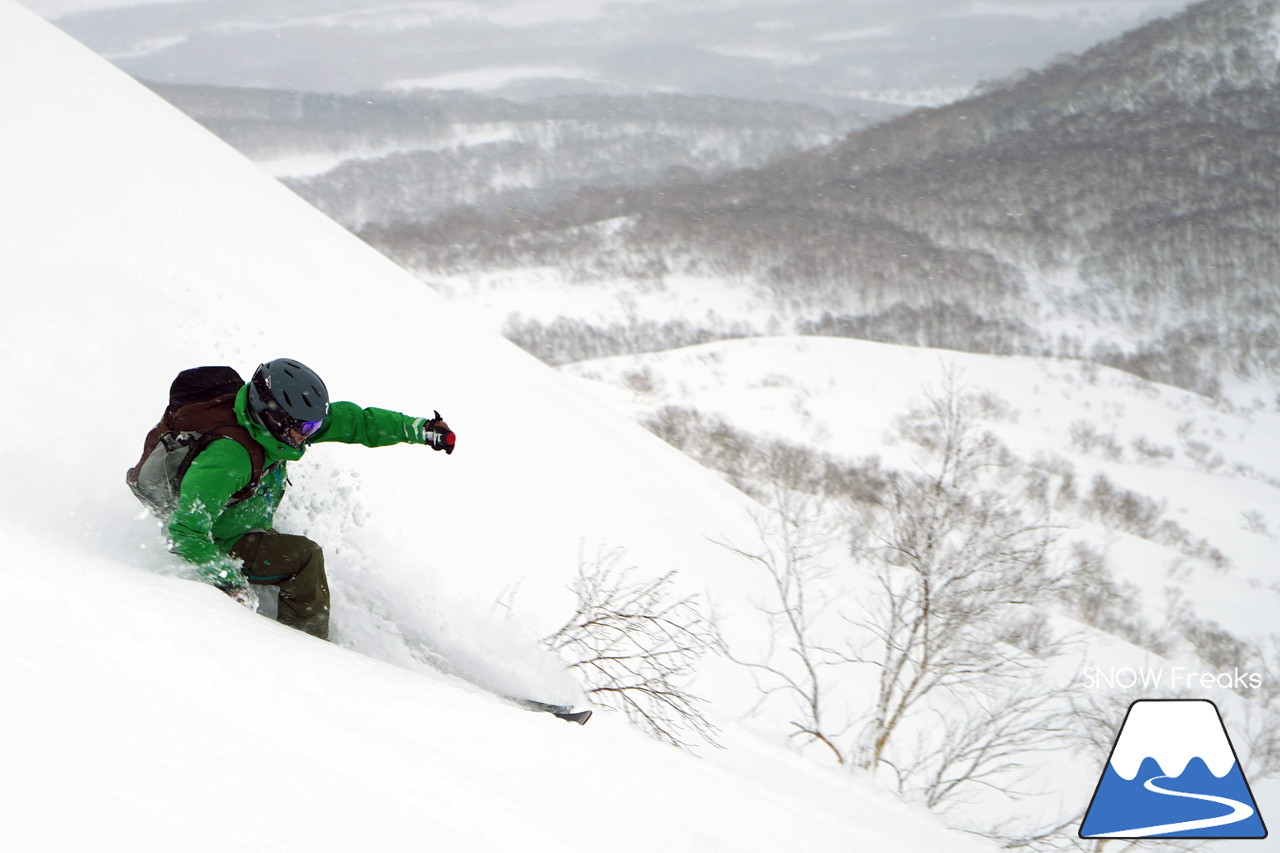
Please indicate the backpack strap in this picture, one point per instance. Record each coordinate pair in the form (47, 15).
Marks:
(213, 419)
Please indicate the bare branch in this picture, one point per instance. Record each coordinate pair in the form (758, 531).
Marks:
(793, 538)
(637, 646)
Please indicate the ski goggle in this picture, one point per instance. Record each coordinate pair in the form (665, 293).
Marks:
(280, 424)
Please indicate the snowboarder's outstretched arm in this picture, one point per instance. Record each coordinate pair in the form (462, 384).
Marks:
(351, 424)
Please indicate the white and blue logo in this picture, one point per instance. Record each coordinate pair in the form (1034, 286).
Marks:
(1173, 773)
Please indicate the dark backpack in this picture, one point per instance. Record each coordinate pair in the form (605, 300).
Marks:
(201, 409)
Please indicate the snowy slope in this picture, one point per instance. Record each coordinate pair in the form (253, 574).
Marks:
(143, 711)
(161, 720)
(174, 264)
(1213, 467)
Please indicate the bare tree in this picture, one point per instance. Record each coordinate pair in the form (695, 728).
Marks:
(989, 745)
(636, 645)
(792, 540)
(953, 558)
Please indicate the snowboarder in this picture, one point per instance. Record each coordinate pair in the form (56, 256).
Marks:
(222, 516)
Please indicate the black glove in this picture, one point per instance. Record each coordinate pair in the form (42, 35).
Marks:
(243, 594)
(437, 434)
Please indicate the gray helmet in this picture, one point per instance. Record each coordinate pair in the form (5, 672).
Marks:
(287, 395)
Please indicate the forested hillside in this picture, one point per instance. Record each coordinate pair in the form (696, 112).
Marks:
(397, 158)
(1121, 205)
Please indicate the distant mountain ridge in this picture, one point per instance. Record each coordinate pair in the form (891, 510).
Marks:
(1120, 205)
(384, 158)
(1213, 47)
(833, 54)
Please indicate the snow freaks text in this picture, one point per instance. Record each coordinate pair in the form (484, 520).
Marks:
(1170, 677)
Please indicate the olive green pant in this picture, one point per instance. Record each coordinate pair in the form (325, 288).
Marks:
(295, 564)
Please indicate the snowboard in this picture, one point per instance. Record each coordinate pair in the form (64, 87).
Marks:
(563, 712)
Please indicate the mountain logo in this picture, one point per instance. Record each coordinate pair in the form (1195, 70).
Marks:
(1173, 773)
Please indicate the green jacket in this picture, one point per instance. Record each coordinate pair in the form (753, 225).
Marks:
(204, 529)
